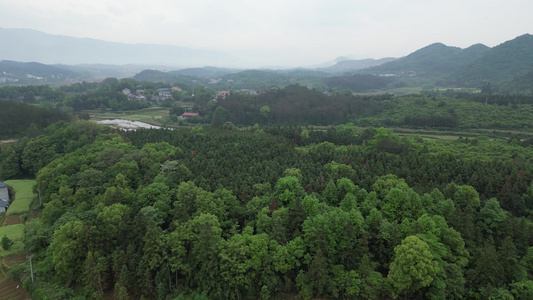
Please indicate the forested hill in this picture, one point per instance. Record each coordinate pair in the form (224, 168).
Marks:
(33, 72)
(33, 68)
(472, 66)
(433, 60)
(502, 63)
(275, 212)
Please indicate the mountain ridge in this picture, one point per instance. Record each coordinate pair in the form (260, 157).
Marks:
(502, 63)
(436, 63)
(436, 59)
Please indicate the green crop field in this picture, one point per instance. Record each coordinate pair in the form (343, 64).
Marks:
(14, 233)
(23, 196)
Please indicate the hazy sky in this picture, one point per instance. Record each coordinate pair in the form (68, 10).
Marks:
(280, 32)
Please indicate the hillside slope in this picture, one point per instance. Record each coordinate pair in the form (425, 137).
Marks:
(433, 60)
(502, 63)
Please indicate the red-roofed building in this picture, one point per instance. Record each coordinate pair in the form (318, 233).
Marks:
(176, 89)
(223, 94)
(189, 115)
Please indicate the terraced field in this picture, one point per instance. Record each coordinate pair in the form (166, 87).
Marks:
(14, 260)
(12, 220)
(10, 289)
(14, 230)
(23, 196)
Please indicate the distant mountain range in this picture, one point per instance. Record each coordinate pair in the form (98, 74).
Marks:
(31, 45)
(509, 64)
(471, 66)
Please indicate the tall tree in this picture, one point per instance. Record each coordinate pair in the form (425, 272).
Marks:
(413, 267)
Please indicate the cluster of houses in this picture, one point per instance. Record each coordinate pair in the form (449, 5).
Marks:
(4, 197)
(162, 94)
(166, 93)
(224, 94)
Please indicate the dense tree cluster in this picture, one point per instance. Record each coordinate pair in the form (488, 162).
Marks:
(296, 104)
(28, 156)
(487, 95)
(252, 214)
(358, 82)
(17, 119)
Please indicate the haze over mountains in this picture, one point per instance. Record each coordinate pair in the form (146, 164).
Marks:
(350, 65)
(509, 63)
(31, 45)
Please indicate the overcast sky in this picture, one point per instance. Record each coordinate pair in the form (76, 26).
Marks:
(280, 32)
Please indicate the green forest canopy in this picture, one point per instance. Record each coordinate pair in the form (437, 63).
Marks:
(260, 213)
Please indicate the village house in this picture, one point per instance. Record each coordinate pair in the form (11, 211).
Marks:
(158, 98)
(3, 206)
(126, 91)
(4, 194)
(223, 94)
(4, 197)
(187, 115)
(165, 94)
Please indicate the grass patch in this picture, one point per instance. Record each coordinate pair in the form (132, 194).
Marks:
(14, 233)
(23, 196)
